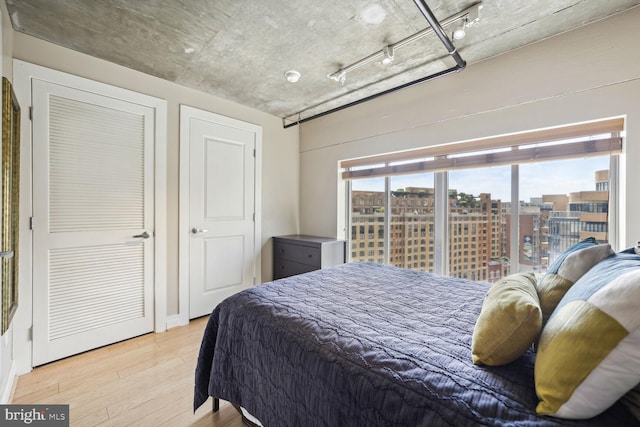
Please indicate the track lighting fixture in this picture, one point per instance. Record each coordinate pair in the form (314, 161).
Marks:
(460, 32)
(339, 77)
(470, 20)
(465, 19)
(388, 55)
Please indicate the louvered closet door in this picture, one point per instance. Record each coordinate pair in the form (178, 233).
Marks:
(92, 189)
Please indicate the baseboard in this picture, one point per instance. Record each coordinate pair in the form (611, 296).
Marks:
(7, 389)
(176, 320)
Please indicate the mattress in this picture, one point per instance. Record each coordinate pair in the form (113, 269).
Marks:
(364, 344)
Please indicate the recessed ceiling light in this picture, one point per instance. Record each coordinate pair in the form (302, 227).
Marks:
(292, 76)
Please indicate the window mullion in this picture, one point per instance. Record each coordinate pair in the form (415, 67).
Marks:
(387, 219)
(349, 219)
(615, 214)
(514, 231)
(441, 223)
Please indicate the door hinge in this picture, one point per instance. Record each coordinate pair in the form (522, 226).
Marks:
(254, 217)
(254, 152)
(30, 113)
(30, 334)
(30, 223)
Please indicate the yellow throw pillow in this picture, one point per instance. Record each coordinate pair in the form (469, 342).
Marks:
(509, 322)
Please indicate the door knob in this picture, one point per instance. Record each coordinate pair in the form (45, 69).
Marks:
(198, 230)
(144, 235)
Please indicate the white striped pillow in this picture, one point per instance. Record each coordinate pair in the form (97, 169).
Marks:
(588, 351)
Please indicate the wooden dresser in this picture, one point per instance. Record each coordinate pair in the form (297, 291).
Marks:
(297, 254)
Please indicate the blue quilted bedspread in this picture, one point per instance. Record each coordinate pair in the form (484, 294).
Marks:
(365, 345)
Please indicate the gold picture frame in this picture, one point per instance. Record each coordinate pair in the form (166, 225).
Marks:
(10, 202)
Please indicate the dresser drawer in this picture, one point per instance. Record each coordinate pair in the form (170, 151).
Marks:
(309, 255)
(298, 253)
(285, 268)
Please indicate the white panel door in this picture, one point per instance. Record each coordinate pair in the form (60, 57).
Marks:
(221, 210)
(93, 213)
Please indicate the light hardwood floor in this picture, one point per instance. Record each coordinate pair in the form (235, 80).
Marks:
(145, 381)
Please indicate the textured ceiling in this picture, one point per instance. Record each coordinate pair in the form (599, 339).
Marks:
(240, 49)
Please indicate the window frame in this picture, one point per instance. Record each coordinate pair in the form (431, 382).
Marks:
(382, 167)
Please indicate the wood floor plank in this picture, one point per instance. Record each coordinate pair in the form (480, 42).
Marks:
(35, 394)
(125, 392)
(145, 381)
(90, 420)
(151, 362)
(151, 411)
(95, 379)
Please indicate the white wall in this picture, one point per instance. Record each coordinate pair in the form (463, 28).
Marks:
(280, 178)
(583, 75)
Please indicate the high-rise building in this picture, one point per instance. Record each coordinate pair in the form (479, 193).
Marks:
(479, 229)
(476, 224)
(577, 216)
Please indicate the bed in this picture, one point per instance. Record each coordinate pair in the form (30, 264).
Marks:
(364, 344)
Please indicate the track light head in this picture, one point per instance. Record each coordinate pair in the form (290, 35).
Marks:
(460, 32)
(388, 55)
(339, 76)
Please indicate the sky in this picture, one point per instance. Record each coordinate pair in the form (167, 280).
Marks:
(536, 179)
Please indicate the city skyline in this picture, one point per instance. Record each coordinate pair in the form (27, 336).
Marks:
(567, 176)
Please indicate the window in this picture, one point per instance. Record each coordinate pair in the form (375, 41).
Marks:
(464, 202)
(367, 201)
(578, 206)
(479, 199)
(410, 214)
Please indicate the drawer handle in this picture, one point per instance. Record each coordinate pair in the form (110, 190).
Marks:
(310, 256)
